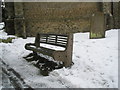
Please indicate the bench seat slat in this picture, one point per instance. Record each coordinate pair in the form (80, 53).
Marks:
(51, 42)
(61, 44)
(51, 38)
(42, 38)
(54, 39)
(61, 40)
(43, 41)
(56, 44)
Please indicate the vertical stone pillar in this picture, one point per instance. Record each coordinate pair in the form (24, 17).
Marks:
(3, 12)
(9, 18)
(19, 20)
(119, 15)
(0, 11)
(98, 26)
(107, 10)
(115, 14)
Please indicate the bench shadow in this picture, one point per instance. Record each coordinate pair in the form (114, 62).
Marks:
(43, 64)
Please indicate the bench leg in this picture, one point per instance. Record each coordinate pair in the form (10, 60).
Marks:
(65, 56)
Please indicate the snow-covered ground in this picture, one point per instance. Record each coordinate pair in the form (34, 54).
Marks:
(95, 63)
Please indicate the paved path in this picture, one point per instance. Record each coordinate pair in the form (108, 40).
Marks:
(9, 79)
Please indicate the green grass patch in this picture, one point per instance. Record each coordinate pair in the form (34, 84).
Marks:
(96, 35)
(8, 40)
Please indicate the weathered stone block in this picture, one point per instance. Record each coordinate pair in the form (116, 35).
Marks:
(19, 20)
(97, 26)
(18, 7)
(9, 26)
(115, 14)
(119, 15)
(9, 18)
(19, 25)
(0, 12)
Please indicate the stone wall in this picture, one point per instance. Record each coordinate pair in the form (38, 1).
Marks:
(28, 18)
(58, 17)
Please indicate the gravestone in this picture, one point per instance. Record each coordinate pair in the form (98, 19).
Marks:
(98, 26)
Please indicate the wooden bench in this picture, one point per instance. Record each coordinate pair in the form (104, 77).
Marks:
(65, 41)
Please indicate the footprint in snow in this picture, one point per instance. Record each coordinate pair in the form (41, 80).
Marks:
(110, 56)
(87, 45)
(78, 56)
(76, 41)
(86, 50)
(93, 42)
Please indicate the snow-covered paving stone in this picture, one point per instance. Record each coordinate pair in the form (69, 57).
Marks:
(95, 63)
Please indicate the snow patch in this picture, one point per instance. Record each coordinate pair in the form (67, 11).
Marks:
(95, 63)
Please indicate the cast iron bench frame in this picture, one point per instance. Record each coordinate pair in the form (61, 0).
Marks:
(65, 41)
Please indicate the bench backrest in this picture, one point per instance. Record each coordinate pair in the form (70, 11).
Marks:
(54, 39)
